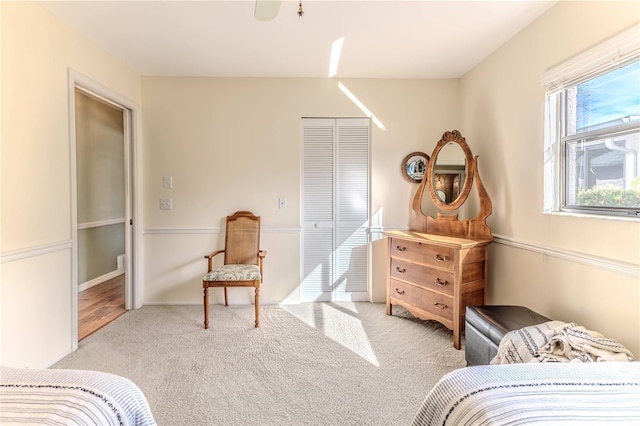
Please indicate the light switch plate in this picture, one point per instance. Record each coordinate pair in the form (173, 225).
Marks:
(282, 203)
(165, 204)
(167, 182)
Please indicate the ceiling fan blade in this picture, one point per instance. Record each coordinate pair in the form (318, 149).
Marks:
(266, 10)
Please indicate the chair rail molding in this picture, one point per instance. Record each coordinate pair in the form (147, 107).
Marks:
(179, 231)
(39, 250)
(613, 265)
(96, 224)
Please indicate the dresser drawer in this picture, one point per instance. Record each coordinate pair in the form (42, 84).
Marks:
(421, 298)
(423, 276)
(424, 253)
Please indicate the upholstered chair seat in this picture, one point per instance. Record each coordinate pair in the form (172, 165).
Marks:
(234, 273)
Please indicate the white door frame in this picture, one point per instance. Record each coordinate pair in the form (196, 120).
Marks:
(133, 287)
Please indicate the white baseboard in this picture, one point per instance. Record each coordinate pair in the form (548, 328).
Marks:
(99, 280)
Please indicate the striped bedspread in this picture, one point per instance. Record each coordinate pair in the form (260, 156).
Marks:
(70, 397)
(542, 394)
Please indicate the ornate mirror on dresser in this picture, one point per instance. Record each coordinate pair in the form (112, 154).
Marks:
(439, 266)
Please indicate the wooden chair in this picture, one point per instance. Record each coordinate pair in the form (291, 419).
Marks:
(242, 260)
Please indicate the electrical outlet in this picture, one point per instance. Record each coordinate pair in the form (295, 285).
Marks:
(282, 203)
(167, 182)
(165, 204)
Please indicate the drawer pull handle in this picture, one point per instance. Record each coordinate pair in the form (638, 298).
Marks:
(401, 270)
(399, 292)
(440, 258)
(441, 282)
(399, 248)
(440, 305)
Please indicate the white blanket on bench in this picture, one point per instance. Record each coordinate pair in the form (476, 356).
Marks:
(557, 341)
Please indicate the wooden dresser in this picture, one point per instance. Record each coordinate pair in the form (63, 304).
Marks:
(435, 277)
(439, 267)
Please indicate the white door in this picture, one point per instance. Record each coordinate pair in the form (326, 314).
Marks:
(335, 209)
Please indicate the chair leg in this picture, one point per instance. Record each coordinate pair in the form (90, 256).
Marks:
(206, 307)
(257, 303)
(226, 302)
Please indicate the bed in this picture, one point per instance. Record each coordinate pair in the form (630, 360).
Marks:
(542, 393)
(70, 397)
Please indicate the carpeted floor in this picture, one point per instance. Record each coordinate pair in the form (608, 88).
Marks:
(307, 364)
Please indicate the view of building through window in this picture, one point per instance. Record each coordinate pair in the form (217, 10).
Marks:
(601, 151)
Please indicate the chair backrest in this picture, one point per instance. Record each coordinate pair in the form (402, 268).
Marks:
(242, 239)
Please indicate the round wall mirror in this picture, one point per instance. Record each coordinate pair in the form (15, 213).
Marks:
(414, 166)
(449, 172)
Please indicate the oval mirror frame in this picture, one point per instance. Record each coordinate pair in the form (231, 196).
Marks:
(409, 169)
(447, 138)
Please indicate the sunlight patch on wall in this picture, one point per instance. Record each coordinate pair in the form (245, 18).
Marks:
(377, 224)
(336, 48)
(360, 105)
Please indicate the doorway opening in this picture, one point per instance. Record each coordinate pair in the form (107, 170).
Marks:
(103, 237)
(100, 207)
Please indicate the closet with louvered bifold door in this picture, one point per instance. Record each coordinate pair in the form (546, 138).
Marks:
(335, 209)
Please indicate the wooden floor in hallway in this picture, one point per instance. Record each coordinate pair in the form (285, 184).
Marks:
(99, 305)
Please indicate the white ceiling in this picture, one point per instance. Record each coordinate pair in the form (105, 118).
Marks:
(382, 39)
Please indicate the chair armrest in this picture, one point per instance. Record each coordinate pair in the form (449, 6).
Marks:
(261, 255)
(210, 257)
(215, 253)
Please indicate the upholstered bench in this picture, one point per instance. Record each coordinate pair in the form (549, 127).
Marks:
(485, 326)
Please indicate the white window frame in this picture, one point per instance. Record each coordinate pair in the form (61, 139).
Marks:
(615, 52)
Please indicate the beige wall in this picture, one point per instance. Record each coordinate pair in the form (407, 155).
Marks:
(233, 144)
(36, 292)
(502, 111)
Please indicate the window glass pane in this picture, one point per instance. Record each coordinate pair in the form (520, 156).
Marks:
(603, 172)
(608, 100)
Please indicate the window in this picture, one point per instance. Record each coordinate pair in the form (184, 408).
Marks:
(592, 131)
